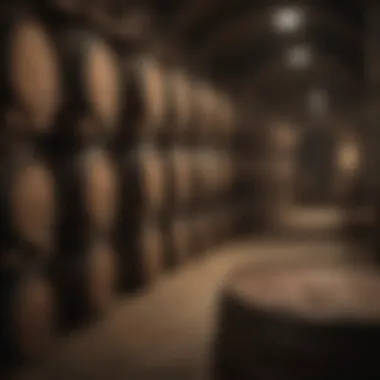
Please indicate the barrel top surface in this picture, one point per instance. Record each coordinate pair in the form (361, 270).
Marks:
(315, 293)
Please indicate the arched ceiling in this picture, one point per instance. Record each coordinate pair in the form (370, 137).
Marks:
(242, 43)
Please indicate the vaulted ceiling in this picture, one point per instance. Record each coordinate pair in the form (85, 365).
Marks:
(277, 50)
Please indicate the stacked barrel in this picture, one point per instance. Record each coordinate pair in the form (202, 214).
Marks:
(141, 155)
(212, 167)
(194, 142)
(114, 167)
(27, 212)
(62, 96)
(180, 161)
(175, 170)
(28, 198)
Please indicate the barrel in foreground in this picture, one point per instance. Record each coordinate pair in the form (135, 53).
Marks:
(291, 321)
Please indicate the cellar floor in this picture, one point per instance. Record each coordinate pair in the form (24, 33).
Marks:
(165, 334)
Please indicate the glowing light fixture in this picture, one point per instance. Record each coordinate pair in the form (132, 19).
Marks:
(299, 57)
(288, 19)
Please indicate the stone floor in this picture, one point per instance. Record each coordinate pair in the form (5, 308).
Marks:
(166, 333)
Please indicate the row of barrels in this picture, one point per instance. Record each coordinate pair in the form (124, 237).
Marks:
(194, 176)
(167, 245)
(73, 230)
(39, 301)
(94, 225)
(66, 80)
(58, 266)
(80, 194)
(114, 167)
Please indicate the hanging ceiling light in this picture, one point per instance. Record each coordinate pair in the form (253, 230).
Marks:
(288, 19)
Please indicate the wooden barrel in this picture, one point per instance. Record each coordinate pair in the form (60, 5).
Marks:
(30, 74)
(151, 86)
(28, 315)
(154, 178)
(143, 209)
(28, 204)
(151, 259)
(86, 281)
(93, 93)
(182, 177)
(87, 192)
(207, 109)
(299, 322)
(180, 90)
(103, 83)
(181, 238)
